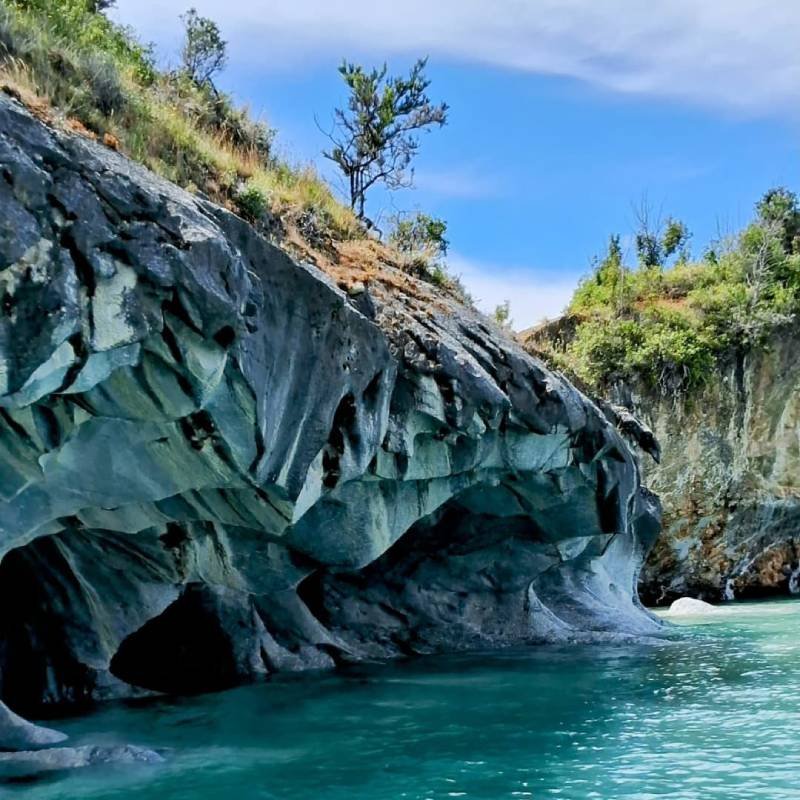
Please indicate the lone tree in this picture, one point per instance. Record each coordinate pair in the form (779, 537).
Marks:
(374, 137)
(203, 53)
(779, 208)
(656, 243)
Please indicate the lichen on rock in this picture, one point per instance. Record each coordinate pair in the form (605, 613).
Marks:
(216, 464)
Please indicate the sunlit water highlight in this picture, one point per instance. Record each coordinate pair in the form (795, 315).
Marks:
(711, 713)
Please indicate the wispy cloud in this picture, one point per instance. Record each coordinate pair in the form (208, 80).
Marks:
(735, 54)
(461, 183)
(531, 297)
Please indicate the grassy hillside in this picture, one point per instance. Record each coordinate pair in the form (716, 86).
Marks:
(77, 69)
(59, 56)
(666, 325)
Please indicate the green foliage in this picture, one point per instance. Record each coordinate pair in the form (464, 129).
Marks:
(666, 350)
(81, 29)
(667, 326)
(420, 239)
(84, 81)
(420, 235)
(203, 54)
(374, 139)
(607, 285)
(779, 207)
(675, 240)
(502, 315)
(655, 248)
(64, 54)
(252, 202)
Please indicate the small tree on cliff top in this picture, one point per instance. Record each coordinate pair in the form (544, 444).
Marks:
(204, 51)
(374, 138)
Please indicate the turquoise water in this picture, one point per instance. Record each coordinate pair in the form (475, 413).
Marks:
(712, 713)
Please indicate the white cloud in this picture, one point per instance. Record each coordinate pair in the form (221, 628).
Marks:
(735, 54)
(462, 183)
(531, 297)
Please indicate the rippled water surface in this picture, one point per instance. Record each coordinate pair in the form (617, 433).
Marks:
(712, 713)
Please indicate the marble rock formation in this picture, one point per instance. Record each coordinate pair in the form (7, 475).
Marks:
(725, 465)
(690, 606)
(729, 478)
(216, 464)
(32, 764)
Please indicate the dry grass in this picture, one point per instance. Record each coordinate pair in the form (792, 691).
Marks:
(160, 122)
(80, 72)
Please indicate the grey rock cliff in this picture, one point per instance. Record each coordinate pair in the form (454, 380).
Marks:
(215, 464)
(729, 478)
(726, 467)
(19, 734)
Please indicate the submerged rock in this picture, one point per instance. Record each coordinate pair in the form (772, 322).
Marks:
(29, 765)
(690, 605)
(216, 464)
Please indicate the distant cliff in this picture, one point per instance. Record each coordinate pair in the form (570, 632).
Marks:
(729, 476)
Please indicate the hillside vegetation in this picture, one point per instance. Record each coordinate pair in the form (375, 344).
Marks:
(62, 56)
(76, 68)
(667, 324)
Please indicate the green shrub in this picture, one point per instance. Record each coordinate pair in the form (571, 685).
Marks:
(252, 203)
(92, 70)
(420, 235)
(502, 315)
(104, 88)
(76, 23)
(667, 326)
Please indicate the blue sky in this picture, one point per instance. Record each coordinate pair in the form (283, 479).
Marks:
(565, 115)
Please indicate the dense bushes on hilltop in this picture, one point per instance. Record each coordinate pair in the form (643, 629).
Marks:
(668, 325)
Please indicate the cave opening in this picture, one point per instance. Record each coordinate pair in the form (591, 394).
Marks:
(185, 650)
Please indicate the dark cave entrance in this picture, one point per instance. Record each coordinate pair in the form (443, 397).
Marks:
(185, 650)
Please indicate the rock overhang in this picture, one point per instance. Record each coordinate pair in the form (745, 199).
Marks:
(198, 434)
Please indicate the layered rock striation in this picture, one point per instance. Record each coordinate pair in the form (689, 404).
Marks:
(216, 464)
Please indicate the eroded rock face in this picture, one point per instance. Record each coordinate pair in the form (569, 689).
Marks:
(729, 479)
(726, 466)
(215, 464)
(17, 733)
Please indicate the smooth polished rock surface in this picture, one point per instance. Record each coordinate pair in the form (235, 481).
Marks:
(216, 464)
(690, 605)
(17, 733)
